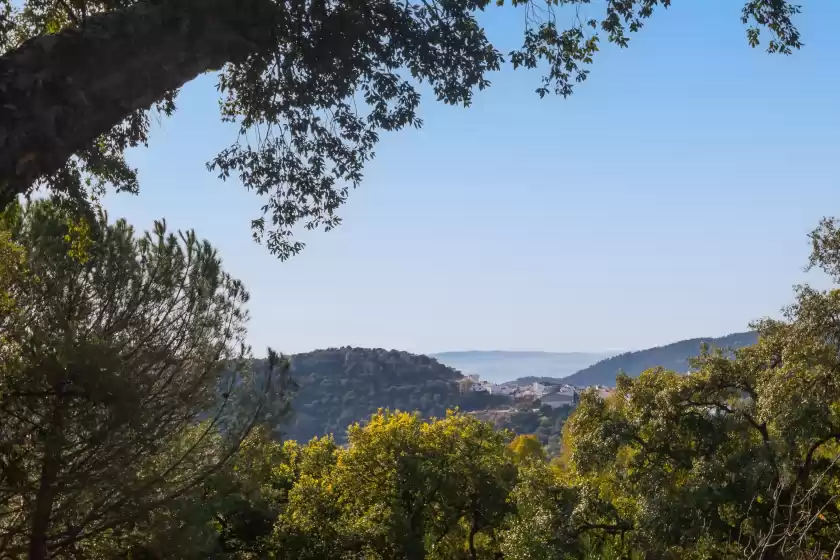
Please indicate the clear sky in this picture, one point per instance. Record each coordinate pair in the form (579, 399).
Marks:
(670, 197)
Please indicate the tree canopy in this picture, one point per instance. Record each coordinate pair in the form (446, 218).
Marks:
(339, 386)
(740, 455)
(738, 458)
(112, 346)
(311, 84)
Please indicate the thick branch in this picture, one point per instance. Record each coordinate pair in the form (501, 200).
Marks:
(805, 469)
(609, 528)
(60, 92)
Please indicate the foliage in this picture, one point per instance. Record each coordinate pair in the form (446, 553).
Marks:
(742, 454)
(112, 346)
(736, 459)
(527, 447)
(316, 85)
(340, 386)
(543, 505)
(12, 262)
(403, 488)
(544, 422)
(128, 429)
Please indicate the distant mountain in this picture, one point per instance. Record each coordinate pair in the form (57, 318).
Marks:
(672, 356)
(500, 366)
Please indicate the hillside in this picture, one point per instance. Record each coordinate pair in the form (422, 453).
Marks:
(501, 366)
(544, 422)
(672, 356)
(339, 386)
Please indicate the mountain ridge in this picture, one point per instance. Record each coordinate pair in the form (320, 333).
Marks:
(673, 356)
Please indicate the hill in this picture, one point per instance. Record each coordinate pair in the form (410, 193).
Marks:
(672, 356)
(500, 366)
(339, 386)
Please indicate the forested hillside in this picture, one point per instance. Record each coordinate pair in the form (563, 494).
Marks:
(672, 357)
(340, 386)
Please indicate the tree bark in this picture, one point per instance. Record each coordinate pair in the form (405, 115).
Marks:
(59, 92)
(45, 498)
(474, 527)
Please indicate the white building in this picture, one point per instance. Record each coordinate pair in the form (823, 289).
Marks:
(482, 386)
(539, 389)
(505, 389)
(566, 390)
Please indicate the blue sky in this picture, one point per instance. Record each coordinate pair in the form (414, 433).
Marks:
(670, 197)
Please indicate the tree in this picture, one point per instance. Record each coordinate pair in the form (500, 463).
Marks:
(11, 268)
(473, 473)
(402, 488)
(739, 456)
(527, 447)
(231, 514)
(540, 528)
(293, 73)
(112, 354)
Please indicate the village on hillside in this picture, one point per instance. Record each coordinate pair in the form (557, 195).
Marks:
(553, 394)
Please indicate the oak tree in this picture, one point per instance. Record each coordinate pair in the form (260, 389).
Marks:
(742, 454)
(402, 488)
(311, 84)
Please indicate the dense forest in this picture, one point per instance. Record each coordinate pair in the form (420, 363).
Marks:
(337, 387)
(542, 422)
(340, 386)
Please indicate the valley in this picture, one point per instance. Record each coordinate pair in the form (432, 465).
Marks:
(526, 392)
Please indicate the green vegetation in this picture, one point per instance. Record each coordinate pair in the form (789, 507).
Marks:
(312, 83)
(134, 423)
(340, 386)
(545, 424)
(112, 344)
(116, 441)
(738, 458)
(529, 418)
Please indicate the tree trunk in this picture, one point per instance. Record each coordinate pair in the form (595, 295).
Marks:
(45, 498)
(59, 92)
(474, 527)
(473, 553)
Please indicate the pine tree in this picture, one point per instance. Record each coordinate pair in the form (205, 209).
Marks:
(113, 348)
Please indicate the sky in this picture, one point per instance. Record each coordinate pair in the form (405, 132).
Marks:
(670, 197)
